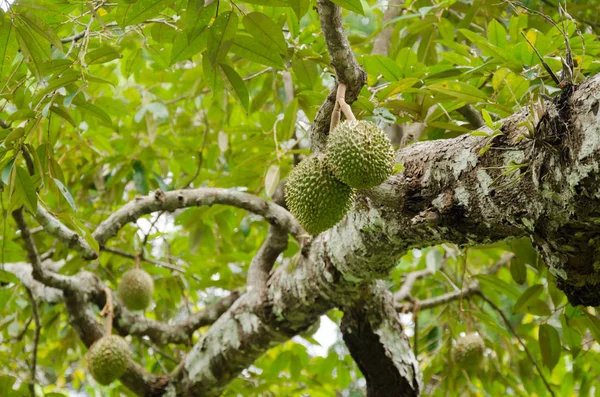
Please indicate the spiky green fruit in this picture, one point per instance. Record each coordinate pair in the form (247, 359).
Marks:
(107, 358)
(135, 289)
(468, 352)
(315, 196)
(360, 154)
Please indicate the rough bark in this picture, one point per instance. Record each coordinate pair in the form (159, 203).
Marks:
(176, 199)
(373, 334)
(346, 67)
(449, 191)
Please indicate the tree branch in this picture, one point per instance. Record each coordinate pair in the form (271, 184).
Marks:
(472, 115)
(83, 320)
(346, 67)
(39, 274)
(42, 292)
(63, 234)
(521, 342)
(464, 293)
(36, 339)
(177, 199)
(165, 265)
(160, 333)
(373, 333)
(383, 40)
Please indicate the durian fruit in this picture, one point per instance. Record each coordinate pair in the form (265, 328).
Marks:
(360, 154)
(315, 196)
(107, 358)
(468, 352)
(135, 289)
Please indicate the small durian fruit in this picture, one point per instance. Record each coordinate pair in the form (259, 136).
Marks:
(468, 352)
(107, 358)
(315, 196)
(135, 289)
(360, 154)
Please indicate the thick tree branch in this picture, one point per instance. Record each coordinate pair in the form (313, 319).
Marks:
(447, 192)
(160, 333)
(63, 234)
(42, 292)
(346, 67)
(262, 263)
(177, 199)
(48, 278)
(373, 333)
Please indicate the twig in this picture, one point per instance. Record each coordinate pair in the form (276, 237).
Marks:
(465, 292)
(155, 262)
(521, 342)
(36, 339)
(404, 292)
(253, 75)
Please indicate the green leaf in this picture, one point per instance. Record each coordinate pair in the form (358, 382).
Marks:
(66, 193)
(380, 64)
(25, 189)
(197, 17)
(17, 133)
(265, 31)
(497, 34)
(161, 183)
(131, 14)
(269, 3)
(593, 325)
(56, 83)
(530, 294)
(499, 286)
(6, 171)
(139, 177)
(289, 120)
(300, 7)
(221, 36)
(570, 336)
(101, 55)
(397, 87)
(40, 27)
(6, 277)
(272, 179)
(8, 44)
(352, 5)
(458, 89)
(92, 110)
(488, 48)
(22, 114)
(237, 84)
(487, 118)
(549, 345)
(306, 72)
(183, 50)
(34, 50)
(62, 112)
(247, 47)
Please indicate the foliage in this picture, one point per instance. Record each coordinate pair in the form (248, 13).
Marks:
(115, 99)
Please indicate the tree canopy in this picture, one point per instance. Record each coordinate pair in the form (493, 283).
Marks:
(159, 134)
